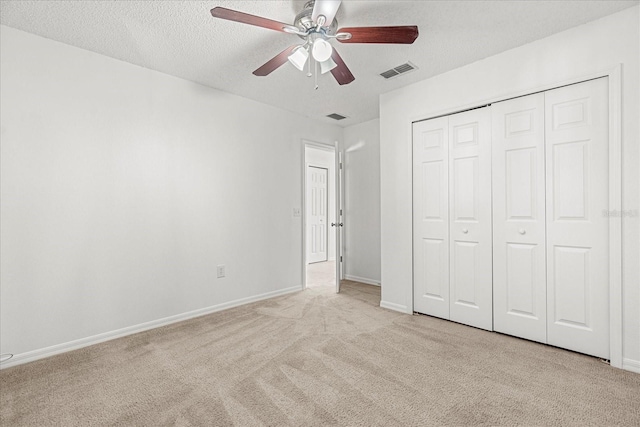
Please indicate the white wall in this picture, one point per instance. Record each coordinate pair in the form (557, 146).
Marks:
(361, 149)
(327, 159)
(595, 46)
(123, 188)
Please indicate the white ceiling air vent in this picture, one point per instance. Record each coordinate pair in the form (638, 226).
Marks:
(336, 116)
(400, 69)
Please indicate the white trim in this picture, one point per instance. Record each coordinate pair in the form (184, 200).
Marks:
(615, 223)
(614, 75)
(339, 206)
(318, 166)
(319, 145)
(33, 355)
(631, 365)
(362, 280)
(395, 307)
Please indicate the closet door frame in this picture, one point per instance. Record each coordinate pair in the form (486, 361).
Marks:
(614, 75)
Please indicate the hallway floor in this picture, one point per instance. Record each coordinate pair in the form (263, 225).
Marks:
(321, 274)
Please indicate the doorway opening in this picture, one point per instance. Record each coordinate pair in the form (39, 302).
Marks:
(321, 222)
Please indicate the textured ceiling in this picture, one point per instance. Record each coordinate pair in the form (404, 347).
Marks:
(181, 38)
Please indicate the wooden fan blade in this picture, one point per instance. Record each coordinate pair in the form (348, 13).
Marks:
(341, 73)
(245, 18)
(399, 35)
(327, 8)
(275, 62)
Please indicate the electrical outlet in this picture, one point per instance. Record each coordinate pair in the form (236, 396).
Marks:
(221, 272)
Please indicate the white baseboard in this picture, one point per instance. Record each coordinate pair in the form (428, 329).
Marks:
(631, 365)
(362, 280)
(395, 307)
(33, 355)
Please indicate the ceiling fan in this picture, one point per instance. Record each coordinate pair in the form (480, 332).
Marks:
(316, 24)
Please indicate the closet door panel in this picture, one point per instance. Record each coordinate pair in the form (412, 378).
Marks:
(576, 131)
(431, 217)
(519, 275)
(470, 218)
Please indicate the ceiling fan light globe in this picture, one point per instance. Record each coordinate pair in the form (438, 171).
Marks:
(299, 57)
(327, 65)
(321, 50)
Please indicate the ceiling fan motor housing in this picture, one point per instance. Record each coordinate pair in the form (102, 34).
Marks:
(304, 21)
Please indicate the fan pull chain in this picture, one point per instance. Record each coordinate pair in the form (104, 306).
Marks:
(315, 67)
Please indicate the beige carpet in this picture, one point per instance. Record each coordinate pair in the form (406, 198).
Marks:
(321, 274)
(317, 358)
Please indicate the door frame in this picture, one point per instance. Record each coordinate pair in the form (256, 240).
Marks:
(614, 75)
(334, 149)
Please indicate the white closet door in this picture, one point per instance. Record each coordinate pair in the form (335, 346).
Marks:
(470, 218)
(431, 217)
(576, 130)
(519, 273)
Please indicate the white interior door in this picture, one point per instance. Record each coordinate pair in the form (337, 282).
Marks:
(317, 214)
(431, 217)
(519, 259)
(339, 219)
(576, 132)
(470, 218)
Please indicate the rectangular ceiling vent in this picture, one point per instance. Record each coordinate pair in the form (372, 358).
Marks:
(400, 69)
(336, 116)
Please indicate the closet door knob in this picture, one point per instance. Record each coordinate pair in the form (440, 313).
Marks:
(465, 231)
(522, 231)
